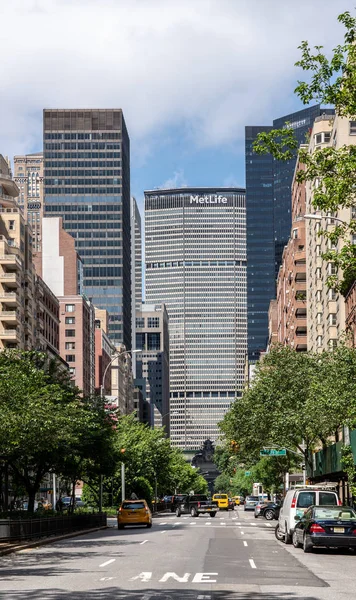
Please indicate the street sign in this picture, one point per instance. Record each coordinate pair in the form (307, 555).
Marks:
(247, 473)
(273, 452)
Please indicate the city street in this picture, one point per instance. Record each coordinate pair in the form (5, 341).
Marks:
(233, 556)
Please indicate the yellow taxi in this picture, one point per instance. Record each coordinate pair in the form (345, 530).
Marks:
(222, 500)
(134, 512)
(237, 500)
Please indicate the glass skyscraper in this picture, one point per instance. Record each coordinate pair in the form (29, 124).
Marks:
(87, 182)
(268, 220)
(196, 266)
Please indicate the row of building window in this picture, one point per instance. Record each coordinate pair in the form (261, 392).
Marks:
(84, 190)
(82, 136)
(85, 164)
(197, 263)
(81, 146)
(81, 155)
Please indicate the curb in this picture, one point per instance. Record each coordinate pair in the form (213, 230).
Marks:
(50, 540)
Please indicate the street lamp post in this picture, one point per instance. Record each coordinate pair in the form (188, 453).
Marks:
(321, 217)
(102, 394)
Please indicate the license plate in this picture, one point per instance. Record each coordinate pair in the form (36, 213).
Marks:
(339, 530)
(208, 509)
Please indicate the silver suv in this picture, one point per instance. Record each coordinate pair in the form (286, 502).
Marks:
(297, 501)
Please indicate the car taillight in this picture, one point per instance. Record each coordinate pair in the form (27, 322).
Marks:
(316, 528)
(339, 503)
(354, 532)
(294, 503)
(120, 509)
(198, 504)
(146, 509)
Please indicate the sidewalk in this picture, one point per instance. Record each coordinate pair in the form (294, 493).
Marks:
(9, 547)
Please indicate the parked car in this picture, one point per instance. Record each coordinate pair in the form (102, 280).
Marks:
(195, 505)
(134, 512)
(222, 501)
(297, 501)
(269, 510)
(328, 526)
(250, 502)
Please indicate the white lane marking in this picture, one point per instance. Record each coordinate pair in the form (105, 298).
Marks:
(242, 532)
(268, 524)
(163, 523)
(164, 531)
(176, 577)
(245, 543)
(144, 576)
(106, 578)
(253, 524)
(185, 517)
(252, 563)
(204, 578)
(193, 523)
(208, 523)
(222, 523)
(203, 597)
(108, 562)
(144, 541)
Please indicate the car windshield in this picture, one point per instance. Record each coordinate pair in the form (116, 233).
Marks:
(198, 498)
(253, 498)
(220, 496)
(133, 505)
(337, 512)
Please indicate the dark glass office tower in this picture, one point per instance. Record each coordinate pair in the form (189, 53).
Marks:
(87, 182)
(268, 220)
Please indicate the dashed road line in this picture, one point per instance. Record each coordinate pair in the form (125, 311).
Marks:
(144, 542)
(163, 523)
(108, 562)
(164, 531)
(268, 524)
(242, 532)
(252, 563)
(245, 543)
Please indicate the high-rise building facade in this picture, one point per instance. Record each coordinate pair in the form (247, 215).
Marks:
(268, 220)
(87, 183)
(28, 174)
(152, 337)
(196, 266)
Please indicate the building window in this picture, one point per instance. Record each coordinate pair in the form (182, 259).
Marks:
(327, 136)
(70, 307)
(11, 225)
(70, 345)
(70, 357)
(319, 341)
(70, 332)
(153, 322)
(332, 319)
(70, 320)
(295, 234)
(352, 127)
(153, 341)
(140, 322)
(318, 273)
(72, 371)
(332, 294)
(318, 138)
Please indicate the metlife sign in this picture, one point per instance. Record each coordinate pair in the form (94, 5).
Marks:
(208, 199)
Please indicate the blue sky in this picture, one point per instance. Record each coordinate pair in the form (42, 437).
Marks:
(189, 75)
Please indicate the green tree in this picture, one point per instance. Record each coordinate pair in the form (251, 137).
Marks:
(294, 398)
(332, 81)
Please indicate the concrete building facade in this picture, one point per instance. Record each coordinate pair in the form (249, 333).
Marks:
(152, 337)
(104, 351)
(196, 266)
(87, 182)
(28, 174)
(325, 307)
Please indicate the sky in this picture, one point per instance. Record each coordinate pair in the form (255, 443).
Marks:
(188, 74)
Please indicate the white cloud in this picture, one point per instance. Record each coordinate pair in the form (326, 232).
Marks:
(177, 181)
(204, 67)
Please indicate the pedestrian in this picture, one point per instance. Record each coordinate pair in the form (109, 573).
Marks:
(59, 505)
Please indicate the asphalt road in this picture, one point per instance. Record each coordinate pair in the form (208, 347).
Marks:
(231, 557)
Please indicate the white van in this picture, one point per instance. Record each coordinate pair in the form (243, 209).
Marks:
(297, 501)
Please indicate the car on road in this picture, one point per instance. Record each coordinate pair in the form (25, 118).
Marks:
(250, 502)
(195, 505)
(268, 509)
(222, 501)
(134, 512)
(297, 501)
(327, 526)
(177, 499)
(231, 504)
(238, 500)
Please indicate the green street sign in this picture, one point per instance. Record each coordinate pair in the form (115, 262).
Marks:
(247, 473)
(273, 452)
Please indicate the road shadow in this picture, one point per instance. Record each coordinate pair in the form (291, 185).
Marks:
(115, 593)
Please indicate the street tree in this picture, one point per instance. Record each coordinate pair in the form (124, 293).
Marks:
(331, 171)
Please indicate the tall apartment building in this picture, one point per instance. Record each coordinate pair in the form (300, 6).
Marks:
(268, 220)
(61, 268)
(326, 307)
(152, 337)
(136, 275)
(28, 174)
(291, 304)
(196, 266)
(87, 182)
(29, 311)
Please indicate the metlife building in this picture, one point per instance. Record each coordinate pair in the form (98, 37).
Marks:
(196, 266)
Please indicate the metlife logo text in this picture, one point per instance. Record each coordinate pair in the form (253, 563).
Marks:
(208, 199)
